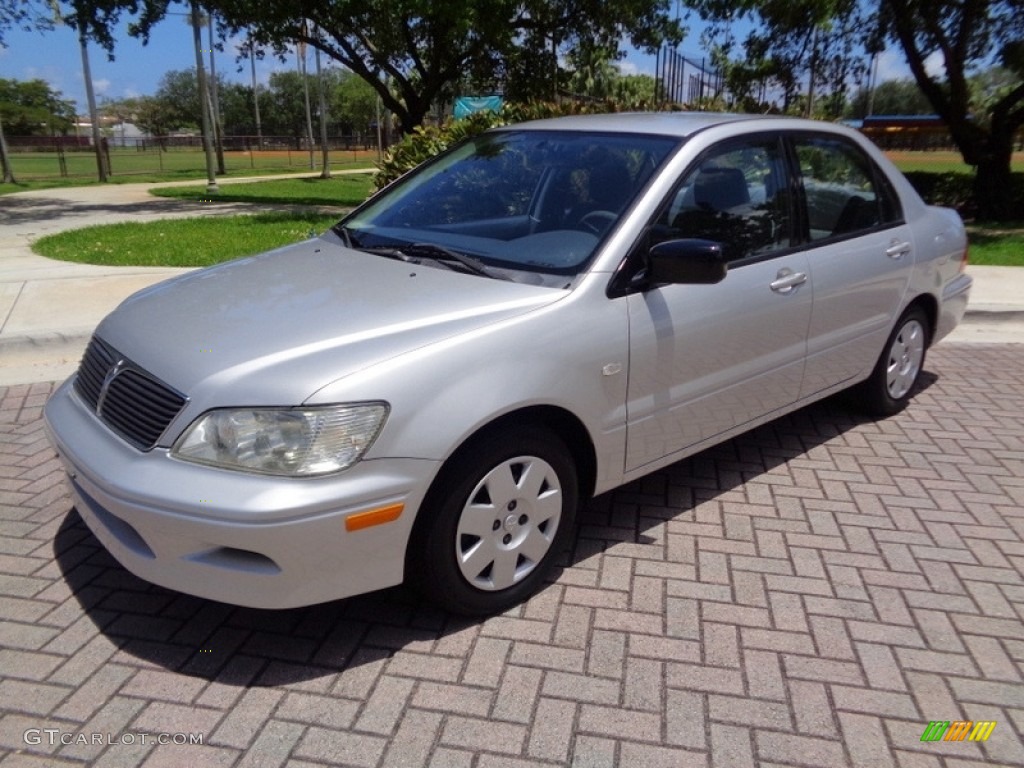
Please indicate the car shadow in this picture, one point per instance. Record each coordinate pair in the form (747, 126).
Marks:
(251, 647)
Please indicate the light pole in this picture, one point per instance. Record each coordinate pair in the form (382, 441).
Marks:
(211, 176)
(325, 171)
(90, 96)
(218, 123)
(255, 95)
(300, 53)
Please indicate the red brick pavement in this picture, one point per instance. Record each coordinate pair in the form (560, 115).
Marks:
(811, 593)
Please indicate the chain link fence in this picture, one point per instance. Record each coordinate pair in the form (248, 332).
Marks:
(51, 157)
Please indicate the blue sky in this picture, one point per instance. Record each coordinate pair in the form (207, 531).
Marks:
(54, 56)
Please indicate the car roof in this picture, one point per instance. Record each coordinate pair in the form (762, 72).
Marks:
(681, 124)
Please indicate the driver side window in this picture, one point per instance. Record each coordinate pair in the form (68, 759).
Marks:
(737, 195)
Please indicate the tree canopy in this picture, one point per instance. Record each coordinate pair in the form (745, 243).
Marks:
(33, 108)
(351, 105)
(24, 14)
(417, 52)
(966, 34)
(890, 97)
(808, 44)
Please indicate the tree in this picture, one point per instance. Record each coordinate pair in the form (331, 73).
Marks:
(890, 97)
(356, 107)
(175, 105)
(967, 33)
(24, 14)
(286, 115)
(822, 42)
(803, 47)
(32, 107)
(414, 52)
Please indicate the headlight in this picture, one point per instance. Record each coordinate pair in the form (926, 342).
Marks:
(282, 441)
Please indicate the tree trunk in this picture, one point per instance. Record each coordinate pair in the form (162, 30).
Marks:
(5, 159)
(993, 180)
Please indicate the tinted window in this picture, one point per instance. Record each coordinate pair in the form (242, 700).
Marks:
(841, 188)
(736, 195)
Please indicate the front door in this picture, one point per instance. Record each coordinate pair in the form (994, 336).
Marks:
(705, 359)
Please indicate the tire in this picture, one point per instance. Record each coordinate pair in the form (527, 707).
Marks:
(495, 521)
(887, 391)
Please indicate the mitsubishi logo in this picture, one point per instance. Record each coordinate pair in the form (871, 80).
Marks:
(115, 369)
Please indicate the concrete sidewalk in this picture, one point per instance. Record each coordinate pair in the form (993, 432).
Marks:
(49, 308)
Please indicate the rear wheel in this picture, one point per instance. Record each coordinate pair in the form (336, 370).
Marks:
(887, 390)
(496, 520)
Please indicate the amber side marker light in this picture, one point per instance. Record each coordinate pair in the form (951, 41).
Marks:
(373, 517)
(965, 257)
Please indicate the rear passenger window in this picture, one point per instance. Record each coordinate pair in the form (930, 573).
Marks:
(843, 197)
(736, 195)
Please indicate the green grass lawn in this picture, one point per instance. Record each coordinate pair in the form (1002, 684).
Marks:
(940, 162)
(197, 242)
(347, 190)
(203, 241)
(1000, 245)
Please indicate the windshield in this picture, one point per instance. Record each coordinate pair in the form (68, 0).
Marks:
(520, 203)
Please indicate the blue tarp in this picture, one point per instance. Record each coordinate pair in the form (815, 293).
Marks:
(467, 105)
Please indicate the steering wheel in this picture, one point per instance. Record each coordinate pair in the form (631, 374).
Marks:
(597, 222)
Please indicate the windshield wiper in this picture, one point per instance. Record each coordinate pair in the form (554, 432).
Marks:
(388, 251)
(449, 257)
(347, 235)
(416, 253)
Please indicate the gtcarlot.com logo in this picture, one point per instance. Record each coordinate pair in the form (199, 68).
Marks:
(958, 730)
(54, 736)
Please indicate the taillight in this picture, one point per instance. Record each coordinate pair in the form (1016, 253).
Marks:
(963, 259)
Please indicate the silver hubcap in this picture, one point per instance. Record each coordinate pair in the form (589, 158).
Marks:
(508, 523)
(905, 357)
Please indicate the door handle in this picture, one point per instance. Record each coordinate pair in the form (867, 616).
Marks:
(787, 280)
(897, 249)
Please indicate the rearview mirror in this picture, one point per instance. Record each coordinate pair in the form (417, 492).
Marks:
(689, 261)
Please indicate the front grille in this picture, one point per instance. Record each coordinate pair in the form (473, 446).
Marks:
(133, 403)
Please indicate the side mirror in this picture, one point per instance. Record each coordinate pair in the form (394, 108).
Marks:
(689, 261)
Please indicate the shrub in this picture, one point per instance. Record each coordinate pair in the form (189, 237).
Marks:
(956, 189)
(425, 142)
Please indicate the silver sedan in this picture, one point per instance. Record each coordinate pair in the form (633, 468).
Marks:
(427, 391)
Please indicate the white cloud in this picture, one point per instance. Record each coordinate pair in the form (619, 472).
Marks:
(101, 86)
(890, 65)
(628, 67)
(893, 66)
(935, 65)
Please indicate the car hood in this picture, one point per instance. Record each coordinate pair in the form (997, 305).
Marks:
(275, 328)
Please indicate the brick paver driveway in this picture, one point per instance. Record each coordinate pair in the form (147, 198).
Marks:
(812, 593)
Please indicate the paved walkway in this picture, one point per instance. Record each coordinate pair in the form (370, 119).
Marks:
(812, 593)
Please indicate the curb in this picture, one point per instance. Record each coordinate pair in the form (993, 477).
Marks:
(997, 316)
(47, 341)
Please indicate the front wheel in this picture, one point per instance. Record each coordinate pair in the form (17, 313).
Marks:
(496, 520)
(887, 390)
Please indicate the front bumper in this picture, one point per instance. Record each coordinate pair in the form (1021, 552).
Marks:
(245, 539)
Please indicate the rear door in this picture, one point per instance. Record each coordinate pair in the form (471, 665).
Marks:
(860, 258)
